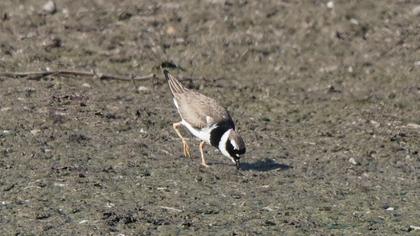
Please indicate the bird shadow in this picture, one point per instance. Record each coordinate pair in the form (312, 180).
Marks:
(264, 165)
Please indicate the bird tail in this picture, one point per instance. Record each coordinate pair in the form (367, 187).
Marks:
(174, 85)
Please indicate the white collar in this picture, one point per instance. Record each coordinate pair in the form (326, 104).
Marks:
(222, 144)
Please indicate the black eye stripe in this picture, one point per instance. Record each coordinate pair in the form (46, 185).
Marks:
(232, 151)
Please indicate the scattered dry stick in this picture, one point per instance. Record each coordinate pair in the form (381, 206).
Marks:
(170, 208)
(38, 75)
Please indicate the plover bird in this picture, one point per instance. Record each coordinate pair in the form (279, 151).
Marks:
(206, 120)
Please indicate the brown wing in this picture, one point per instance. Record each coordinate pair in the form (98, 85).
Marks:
(200, 111)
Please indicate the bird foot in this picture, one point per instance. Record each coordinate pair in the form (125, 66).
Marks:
(205, 164)
(187, 150)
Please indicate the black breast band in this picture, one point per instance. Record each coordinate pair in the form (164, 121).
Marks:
(217, 133)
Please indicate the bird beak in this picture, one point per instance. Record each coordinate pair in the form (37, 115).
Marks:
(238, 164)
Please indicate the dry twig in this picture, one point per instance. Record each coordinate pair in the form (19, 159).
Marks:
(170, 208)
(37, 75)
(40, 74)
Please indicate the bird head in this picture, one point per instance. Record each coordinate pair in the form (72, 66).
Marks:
(235, 147)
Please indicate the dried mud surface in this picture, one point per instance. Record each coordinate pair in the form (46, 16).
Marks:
(326, 96)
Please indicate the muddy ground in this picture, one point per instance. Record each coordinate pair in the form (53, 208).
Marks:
(326, 96)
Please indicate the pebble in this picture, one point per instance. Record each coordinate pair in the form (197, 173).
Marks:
(86, 85)
(35, 131)
(415, 227)
(413, 126)
(354, 21)
(330, 4)
(417, 63)
(6, 131)
(59, 184)
(49, 7)
(66, 12)
(390, 209)
(267, 208)
(375, 123)
(142, 89)
(330, 68)
(352, 161)
(217, 1)
(179, 40)
(416, 10)
(170, 30)
(5, 109)
(52, 42)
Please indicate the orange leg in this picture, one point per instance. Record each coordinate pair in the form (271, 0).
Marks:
(203, 161)
(187, 150)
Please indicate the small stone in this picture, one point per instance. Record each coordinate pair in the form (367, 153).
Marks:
(59, 185)
(49, 7)
(179, 40)
(267, 208)
(6, 131)
(52, 42)
(43, 215)
(5, 109)
(375, 123)
(125, 15)
(86, 85)
(389, 209)
(332, 89)
(35, 131)
(417, 63)
(330, 4)
(327, 69)
(413, 126)
(352, 161)
(66, 12)
(170, 30)
(59, 113)
(414, 227)
(416, 10)
(142, 89)
(216, 1)
(354, 21)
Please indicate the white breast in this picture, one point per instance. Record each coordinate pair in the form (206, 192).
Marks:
(203, 134)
